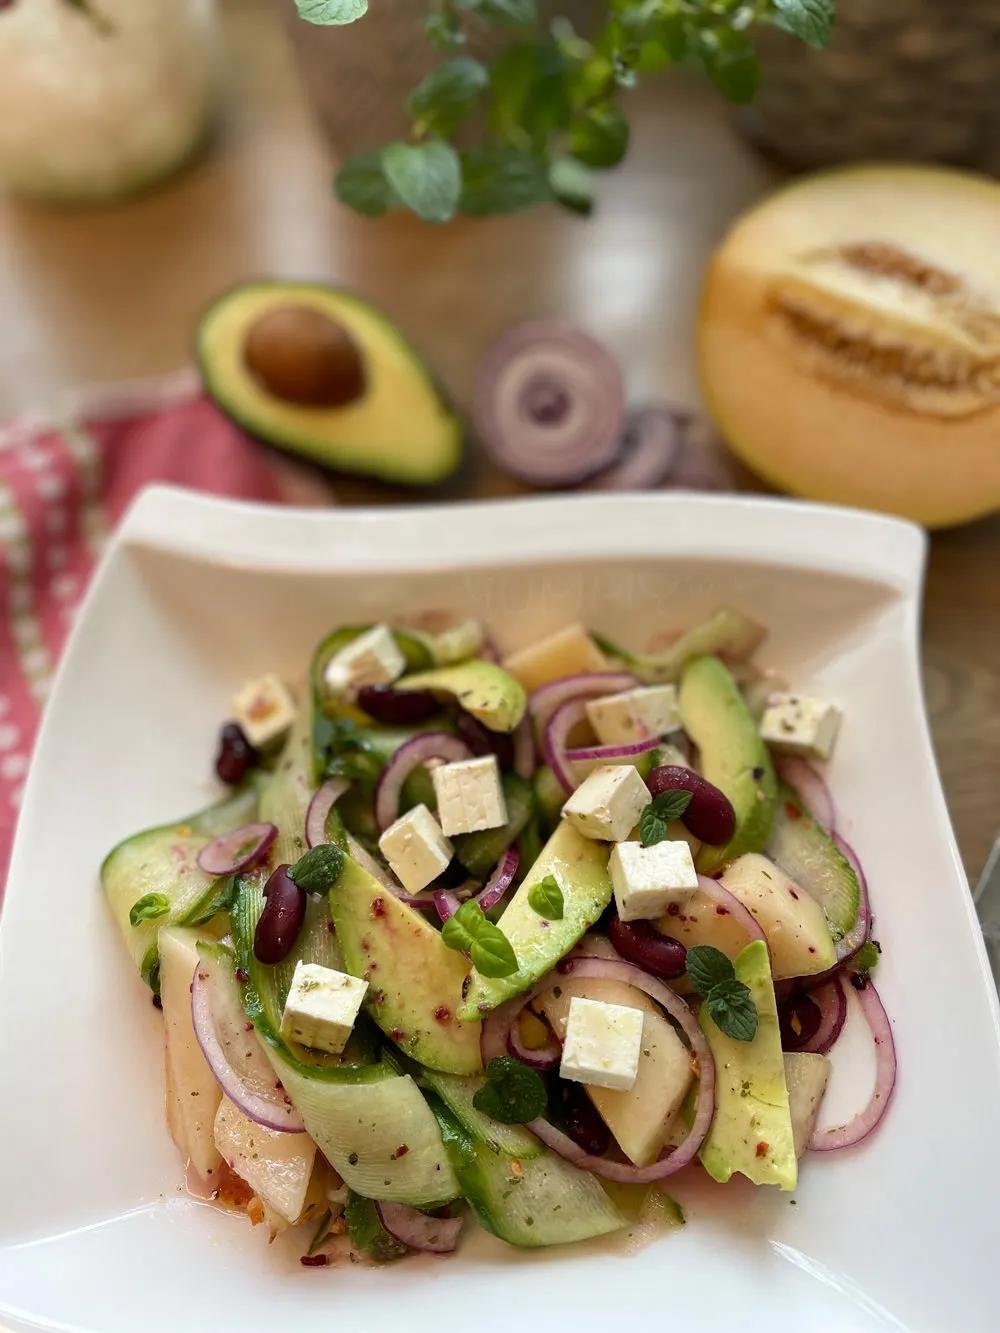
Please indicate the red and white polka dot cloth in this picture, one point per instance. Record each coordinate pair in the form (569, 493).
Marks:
(62, 488)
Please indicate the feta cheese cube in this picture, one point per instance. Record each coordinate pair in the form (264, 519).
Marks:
(321, 1007)
(602, 1045)
(608, 803)
(469, 795)
(416, 848)
(796, 724)
(647, 880)
(373, 658)
(264, 709)
(634, 715)
(568, 652)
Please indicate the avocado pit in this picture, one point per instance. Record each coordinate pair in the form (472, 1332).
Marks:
(299, 354)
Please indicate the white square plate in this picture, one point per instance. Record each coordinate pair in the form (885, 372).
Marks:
(197, 594)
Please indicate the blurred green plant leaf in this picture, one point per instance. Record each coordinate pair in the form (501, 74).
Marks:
(361, 184)
(442, 100)
(331, 11)
(499, 179)
(427, 177)
(811, 20)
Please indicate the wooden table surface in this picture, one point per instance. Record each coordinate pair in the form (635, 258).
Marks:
(92, 296)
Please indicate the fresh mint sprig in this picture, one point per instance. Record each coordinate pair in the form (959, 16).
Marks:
(545, 112)
(662, 809)
(512, 1093)
(729, 1001)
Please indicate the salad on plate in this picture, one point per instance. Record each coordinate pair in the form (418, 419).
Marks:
(504, 940)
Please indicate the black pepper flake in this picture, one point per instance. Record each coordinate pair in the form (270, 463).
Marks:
(758, 772)
(352, 1158)
(242, 974)
(157, 1002)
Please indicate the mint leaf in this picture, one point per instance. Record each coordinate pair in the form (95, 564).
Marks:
(546, 898)
(530, 94)
(496, 179)
(508, 13)
(812, 20)
(148, 908)
(599, 137)
(708, 967)
(468, 931)
(731, 63)
(442, 100)
(572, 185)
(361, 184)
(319, 869)
(443, 29)
(652, 828)
(331, 11)
(657, 815)
(427, 177)
(732, 1009)
(512, 1093)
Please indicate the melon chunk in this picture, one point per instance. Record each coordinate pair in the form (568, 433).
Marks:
(806, 1076)
(849, 340)
(277, 1166)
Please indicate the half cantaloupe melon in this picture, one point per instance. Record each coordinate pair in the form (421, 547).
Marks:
(849, 340)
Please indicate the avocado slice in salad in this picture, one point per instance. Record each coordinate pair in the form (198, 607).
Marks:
(414, 981)
(580, 866)
(317, 371)
(483, 689)
(752, 1130)
(733, 757)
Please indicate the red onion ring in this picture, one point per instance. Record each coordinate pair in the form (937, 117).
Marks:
(832, 1004)
(857, 1129)
(425, 902)
(410, 755)
(811, 788)
(541, 1057)
(324, 799)
(232, 852)
(220, 1026)
(740, 913)
(558, 727)
(610, 754)
(501, 879)
(543, 702)
(524, 750)
(650, 448)
(704, 1107)
(446, 903)
(417, 1230)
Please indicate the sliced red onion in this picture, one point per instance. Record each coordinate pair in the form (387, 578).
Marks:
(650, 449)
(540, 1057)
(501, 879)
(424, 902)
(811, 789)
(701, 464)
(730, 904)
(609, 754)
(233, 1053)
(446, 903)
(704, 1107)
(549, 404)
(846, 1136)
(323, 801)
(232, 852)
(832, 1003)
(544, 701)
(524, 749)
(410, 755)
(557, 729)
(419, 1231)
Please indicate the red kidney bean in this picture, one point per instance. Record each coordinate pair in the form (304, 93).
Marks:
(583, 1123)
(482, 741)
(710, 816)
(236, 756)
(281, 920)
(396, 708)
(806, 1014)
(642, 944)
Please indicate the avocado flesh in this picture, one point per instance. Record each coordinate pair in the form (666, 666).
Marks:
(400, 429)
(580, 866)
(733, 757)
(483, 689)
(414, 980)
(752, 1129)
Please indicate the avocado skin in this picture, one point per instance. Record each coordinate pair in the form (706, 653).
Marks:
(733, 757)
(337, 442)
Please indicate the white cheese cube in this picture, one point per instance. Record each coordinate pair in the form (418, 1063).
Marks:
(647, 880)
(264, 709)
(568, 652)
(321, 1007)
(608, 803)
(634, 715)
(416, 848)
(796, 724)
(469, 795)
(603, 1043)
(373, 658)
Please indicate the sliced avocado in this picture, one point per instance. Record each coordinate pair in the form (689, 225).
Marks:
(482, 688)
(580, 866)
(414, 981)
(733, 757)
(366, 1232)
(321, 373)
(752, 1129)
(480, 852)
(808, 854)
(549, 797)
(806, 1076)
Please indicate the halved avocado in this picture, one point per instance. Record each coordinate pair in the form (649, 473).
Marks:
(321, 373)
